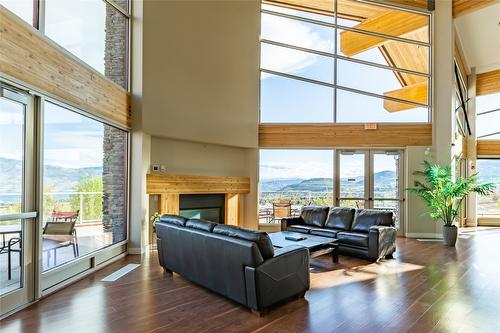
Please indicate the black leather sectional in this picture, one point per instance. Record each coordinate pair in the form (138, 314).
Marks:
(368, 233)
(238, 263)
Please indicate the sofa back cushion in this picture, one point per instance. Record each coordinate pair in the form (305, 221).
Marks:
(258, 237)
(365, 218)
(201, 224)
(174, 219)
(340, 218)
(314, 215)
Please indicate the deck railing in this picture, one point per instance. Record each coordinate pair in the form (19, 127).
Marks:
(60, 201)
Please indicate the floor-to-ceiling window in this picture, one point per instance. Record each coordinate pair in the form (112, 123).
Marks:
(95, 31)
(84, 185)
(488, 116)
(349, 67)
(340, 62)
(489, 170)
(290, 179)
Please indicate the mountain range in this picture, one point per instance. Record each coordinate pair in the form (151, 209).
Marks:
(60, 179)
(384, 178)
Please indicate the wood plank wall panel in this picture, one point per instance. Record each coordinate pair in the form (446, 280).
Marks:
(337, 135)
(488, 83)
(464, 7)
(33, 59)
(488, 148)
(179, 184)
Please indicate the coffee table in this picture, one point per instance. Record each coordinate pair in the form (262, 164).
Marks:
(317, 245)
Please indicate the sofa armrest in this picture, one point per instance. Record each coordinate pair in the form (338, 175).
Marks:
(288, 221)
(381, 241)
(279, 278)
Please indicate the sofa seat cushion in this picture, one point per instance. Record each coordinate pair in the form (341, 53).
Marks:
(201, 224)
(325, 232)
(340, 218)
(314, 216)
(174, 219)
(365, 218)
(258, 237)
(305, 229)
(353, 238)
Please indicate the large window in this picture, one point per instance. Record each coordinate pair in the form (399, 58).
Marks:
(345, 68)
(488, 116)
(95, 31)
(489, 170)
(294, 178)
(84, 185)
(22, 8)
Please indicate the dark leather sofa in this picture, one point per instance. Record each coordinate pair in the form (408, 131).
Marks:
(238, 263)
(368, 233)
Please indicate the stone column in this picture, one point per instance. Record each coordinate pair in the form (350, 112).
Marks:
(114, 175)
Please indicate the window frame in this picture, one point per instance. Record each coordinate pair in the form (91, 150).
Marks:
(39, 24)
(335, 56)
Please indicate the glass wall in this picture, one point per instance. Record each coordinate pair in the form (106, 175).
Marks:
(12, 156)
(22, 8)
(84, 185)
(488, 116)
(489, 170)
(290, 179)
(92, 30)
(338, 68)
(95, 31)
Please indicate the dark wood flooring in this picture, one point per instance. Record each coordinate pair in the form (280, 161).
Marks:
(426, 288)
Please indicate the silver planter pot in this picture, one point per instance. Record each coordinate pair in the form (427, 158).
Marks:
(450, 233)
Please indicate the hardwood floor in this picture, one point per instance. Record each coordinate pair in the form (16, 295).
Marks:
(427, 288)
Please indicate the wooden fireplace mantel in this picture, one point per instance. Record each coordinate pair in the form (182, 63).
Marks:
(170, 186)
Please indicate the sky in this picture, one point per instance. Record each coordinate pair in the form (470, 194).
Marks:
(284, 100)
(316, 163)
(70, 140)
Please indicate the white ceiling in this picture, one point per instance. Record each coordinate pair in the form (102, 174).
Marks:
(479, 36)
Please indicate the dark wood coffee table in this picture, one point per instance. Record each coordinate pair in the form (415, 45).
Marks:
(317, 245)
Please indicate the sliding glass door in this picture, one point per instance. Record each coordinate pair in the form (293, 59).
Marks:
(17, 214)
(63, 195)
(84, 199)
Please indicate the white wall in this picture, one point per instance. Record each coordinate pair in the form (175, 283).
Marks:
(201, 159)
(201, 71)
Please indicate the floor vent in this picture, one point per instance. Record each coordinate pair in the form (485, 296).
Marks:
(121, 272)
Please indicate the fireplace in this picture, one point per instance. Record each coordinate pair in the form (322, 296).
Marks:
(217, 198)
(210, 207)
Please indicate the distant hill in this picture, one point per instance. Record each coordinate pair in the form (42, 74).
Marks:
(59, 178)
(276, 184)
(313, 185)
(382, 179)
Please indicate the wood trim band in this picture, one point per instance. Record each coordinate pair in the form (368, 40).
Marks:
(488, 83)
(33, 59)
(488, 148)
(179, 184)
(340, 135)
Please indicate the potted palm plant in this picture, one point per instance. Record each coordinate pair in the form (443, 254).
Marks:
(444, 196)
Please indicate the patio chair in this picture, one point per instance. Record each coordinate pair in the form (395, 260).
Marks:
(57, 216)
(57, 235)
(281, 210)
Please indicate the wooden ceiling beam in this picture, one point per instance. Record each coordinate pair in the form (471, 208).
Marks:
(394, 23)
(464, 7)
(414, 93)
